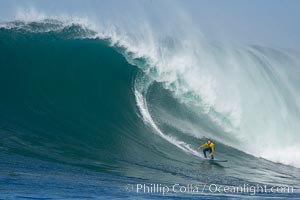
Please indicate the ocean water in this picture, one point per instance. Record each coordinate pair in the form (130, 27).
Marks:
(107, 115)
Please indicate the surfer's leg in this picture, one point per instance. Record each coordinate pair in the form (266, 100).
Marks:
(204, 152)
(210, 150)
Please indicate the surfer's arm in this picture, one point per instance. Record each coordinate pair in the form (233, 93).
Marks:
(203, 145)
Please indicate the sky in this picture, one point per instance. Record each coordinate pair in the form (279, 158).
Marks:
(264, 22)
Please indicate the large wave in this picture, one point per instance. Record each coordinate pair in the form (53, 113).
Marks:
(69, 96)
(247, 94)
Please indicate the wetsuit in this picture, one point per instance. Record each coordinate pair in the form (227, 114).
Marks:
(209, 147)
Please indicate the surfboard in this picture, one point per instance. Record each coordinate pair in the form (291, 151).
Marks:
(216, 160)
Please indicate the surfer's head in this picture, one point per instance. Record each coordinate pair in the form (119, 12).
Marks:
(208, 141)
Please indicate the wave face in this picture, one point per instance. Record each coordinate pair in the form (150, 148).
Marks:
(137, 107)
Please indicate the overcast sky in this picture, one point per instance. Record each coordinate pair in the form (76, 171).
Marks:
(265, 22)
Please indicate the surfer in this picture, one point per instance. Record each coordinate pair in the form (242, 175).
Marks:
(209, 147)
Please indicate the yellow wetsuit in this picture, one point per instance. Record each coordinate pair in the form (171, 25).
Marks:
(211, 145)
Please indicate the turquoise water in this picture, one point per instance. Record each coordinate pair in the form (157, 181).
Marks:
(74, 107)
